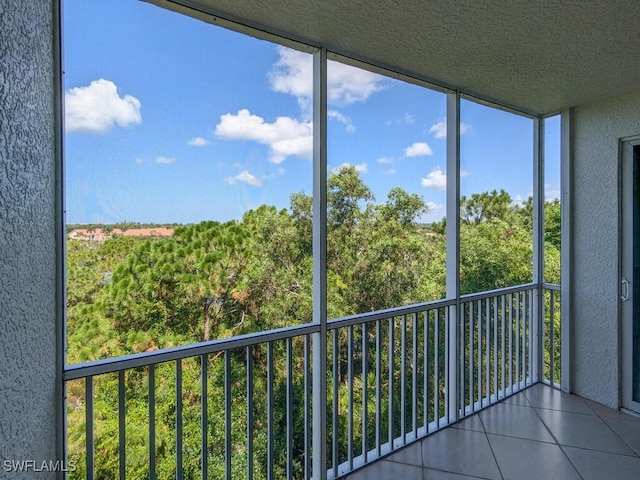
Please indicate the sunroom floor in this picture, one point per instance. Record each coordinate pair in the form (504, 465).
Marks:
(540, 433)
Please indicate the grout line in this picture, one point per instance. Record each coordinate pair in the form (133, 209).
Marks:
(523, 438)
(621, 439)
(586, 414)
(486, 436)
(600, 451)
(557, 442)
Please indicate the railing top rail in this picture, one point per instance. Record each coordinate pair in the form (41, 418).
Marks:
(387, 313)
(497, 292)
(111, 365)
(551, 286)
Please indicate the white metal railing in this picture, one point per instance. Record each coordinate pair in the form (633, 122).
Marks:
(551, 344)
(388, 384)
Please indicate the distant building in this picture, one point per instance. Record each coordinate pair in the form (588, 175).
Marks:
(98, 235)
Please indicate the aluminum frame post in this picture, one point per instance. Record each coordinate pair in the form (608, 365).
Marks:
(453, 252)
(538, 250)
(319, 397)
(566, 163)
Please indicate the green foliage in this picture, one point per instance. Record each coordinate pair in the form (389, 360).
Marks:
(214, 280)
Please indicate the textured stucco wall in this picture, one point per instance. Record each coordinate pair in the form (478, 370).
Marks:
(27, 235)
(597, 129)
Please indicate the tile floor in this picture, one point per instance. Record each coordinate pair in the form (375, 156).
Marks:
(538, 434)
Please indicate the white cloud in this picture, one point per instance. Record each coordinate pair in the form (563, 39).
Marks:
(278, 173)
(436, 209)
(385, 160)
(139, 160)
(551, 191)
(165, 160)
(418, 149)
(439, 130)
(391, 171)
(293, 74)
(346, 84)
(285, 136)
(198, 142)
(244, 177)
(346, 121)
(98, 107)
(362, 168)
(436, 180)
(407, 119)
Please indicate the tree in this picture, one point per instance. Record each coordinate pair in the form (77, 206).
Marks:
(484, 206)
(182, 283)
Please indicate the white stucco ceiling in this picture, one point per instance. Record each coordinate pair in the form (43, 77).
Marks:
(538, 56)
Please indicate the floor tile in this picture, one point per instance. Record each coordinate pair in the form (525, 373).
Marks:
(385, 470)
(515, 421)
(542, 396)
(520, 459)
(411, 455)
(598, 465)
(585, 431)
(470, 423)
(460, 451)
(627, 428)
(517, 399)
(602, 410)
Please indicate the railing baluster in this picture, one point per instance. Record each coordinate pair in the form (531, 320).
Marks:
(227, 413)
(517, 341)
(350, 397)
(529, 369)
(89, 440)
(479, 313)
(463, 358)
(179, 419)
(487, 342)
(152, 422)
(425, 358)
(204, 422)
(495, 347)
(289, 410)
(122, 425)
(270, 367)
(472, 393)
(447, 366)
(414, 381)
(503, 314)
(250, 435)
(307, 413)
(391, 387)
(523, 333)
(403, 380)
(436, 363)
(334, 437)
(552, 376)
(543, 336)
(378, 389)
(510, 343)
(365, 389)
(533, 341)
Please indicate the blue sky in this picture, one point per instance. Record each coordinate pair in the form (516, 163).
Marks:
(170, 119)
